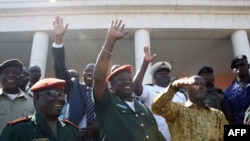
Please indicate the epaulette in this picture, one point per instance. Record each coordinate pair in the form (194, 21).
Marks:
(21, 119)
(68, 122)
(150, 84)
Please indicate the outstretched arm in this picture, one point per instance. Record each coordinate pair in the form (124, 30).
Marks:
(115, 32)
(58, 53)
(163, 104)
(148, 57)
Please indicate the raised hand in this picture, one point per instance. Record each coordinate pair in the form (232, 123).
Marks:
(59, 29)
(116, 30)
(183, 82)
(147, 54)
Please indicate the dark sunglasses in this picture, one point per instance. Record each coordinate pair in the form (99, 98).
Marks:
(54, 93)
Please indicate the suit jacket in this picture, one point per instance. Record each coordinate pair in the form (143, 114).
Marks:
(75, 90)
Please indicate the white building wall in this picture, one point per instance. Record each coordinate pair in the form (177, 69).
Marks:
(37, 15)
(33, 15)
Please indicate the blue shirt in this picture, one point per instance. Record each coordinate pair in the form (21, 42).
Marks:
(236, 102)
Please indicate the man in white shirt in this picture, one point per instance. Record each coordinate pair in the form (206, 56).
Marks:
(160, 72)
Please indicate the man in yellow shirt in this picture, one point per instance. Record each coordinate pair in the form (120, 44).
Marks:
(193, 120)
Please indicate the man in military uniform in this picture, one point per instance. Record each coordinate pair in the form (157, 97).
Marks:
(160, 72)
(214, 95)
(119, 115)
(14, 103)
(44, 125)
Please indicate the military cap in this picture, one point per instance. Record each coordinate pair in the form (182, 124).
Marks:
(160, 65)
(11, 63)
(119, 70)
(206, 69)
(48, 83)
(238, 58)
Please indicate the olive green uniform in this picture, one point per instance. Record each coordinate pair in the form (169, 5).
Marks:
(37, 129)
(118, 122)
(13, 109)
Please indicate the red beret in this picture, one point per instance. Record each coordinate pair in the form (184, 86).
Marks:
(48, 83)
(118, 70)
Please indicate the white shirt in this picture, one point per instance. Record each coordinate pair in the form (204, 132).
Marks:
(12, 96)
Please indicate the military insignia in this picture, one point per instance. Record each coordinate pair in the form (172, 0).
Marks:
(240, 57)
(122, 106)
(21, 119)
(68, 122)
(41, 139)
(163, 65)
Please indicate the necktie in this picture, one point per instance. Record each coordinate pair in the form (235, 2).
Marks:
(89, 110)
(90, 106)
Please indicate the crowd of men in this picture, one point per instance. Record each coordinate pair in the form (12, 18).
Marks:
(112, 105)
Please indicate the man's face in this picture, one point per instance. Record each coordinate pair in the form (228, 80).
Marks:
(241, 68)
(35, 73)
(208, 77)
(122, 85)
(88, 74)
(10, 77)
(49, 103)
(25, 77)
(162, 77)
(197, 91)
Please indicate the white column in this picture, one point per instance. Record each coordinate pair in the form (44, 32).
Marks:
(240, 43)
(142, 39)
(39, 51)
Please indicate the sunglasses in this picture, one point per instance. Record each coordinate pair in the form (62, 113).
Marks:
(54, 93)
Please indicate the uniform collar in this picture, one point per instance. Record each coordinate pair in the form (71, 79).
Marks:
(21, 93)
(38, 120)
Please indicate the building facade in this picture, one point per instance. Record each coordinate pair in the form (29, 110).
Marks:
(188, 34)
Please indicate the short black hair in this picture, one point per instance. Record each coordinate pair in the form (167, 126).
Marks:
(206, 69)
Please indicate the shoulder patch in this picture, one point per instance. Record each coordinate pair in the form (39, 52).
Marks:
(21, 119)
(68, 122)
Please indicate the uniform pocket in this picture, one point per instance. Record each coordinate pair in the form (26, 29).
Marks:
(2, 117)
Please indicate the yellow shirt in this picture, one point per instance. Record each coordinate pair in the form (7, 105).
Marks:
(186, 121)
